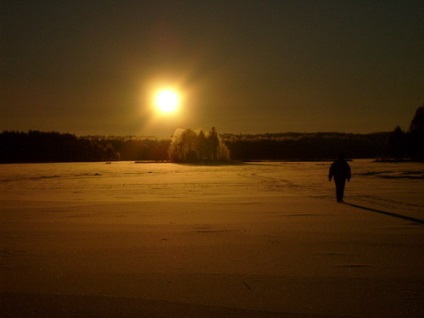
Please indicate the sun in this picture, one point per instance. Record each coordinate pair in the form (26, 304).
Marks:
(167, 101)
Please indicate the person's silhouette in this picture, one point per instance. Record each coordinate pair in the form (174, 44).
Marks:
(340, 171)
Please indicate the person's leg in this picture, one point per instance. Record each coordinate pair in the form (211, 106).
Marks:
(338, 192)
(340, 184)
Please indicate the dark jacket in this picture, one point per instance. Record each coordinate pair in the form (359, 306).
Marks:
(339, 170)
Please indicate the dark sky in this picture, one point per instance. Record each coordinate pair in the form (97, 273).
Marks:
(89, 67)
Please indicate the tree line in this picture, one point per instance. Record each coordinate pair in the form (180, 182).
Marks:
(37, 146)
(136, 148)
(305, 146)
(187, 145)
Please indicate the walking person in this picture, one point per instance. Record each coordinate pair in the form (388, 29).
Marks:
(340, 171)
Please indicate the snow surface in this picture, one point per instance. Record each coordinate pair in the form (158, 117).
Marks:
(263, 239)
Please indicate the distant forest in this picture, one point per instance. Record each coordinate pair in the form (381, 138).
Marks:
(305, 146)
(37, 146)
(187, 145)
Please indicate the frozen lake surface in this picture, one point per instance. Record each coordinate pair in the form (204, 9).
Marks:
(263, 239)
(392, 186)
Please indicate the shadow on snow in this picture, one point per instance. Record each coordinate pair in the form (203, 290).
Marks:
(399, 216)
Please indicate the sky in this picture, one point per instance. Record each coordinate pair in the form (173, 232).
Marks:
(91, 67)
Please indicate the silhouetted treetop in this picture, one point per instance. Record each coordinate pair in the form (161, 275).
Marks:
(416, 135)
(417, 123)
(396, 144)
(409, 145)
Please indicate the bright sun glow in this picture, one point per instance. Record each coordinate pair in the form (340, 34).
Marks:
(167, 101)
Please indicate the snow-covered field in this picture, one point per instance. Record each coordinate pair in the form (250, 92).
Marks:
(263, 239)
